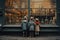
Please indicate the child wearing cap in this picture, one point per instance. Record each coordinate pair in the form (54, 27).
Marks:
(31, 26)
(37, 27)
(24, 26)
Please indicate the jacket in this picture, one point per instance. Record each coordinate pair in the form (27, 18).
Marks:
(37, 26)
(31, 25)
(24, 25)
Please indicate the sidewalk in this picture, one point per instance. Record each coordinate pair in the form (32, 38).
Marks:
(29, 38)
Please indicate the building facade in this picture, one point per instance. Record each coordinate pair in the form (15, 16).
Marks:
(13, 11)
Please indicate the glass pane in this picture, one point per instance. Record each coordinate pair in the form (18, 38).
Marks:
(15, 10)
(45, 10)
(16, 4)
(14, 16)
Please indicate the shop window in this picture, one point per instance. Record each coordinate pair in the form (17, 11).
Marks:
(15, 10)
(44, 10)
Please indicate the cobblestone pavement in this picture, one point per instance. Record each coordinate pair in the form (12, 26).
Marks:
(5, 37)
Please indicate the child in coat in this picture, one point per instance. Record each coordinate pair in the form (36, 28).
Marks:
(24, 26)
(31, 26)
(37, 27)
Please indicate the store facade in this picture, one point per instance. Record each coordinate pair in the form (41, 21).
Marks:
(12, 12)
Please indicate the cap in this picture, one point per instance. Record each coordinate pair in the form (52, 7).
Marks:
(37, 19)
(32, 17)
(25, 17)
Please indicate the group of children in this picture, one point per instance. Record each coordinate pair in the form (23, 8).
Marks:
(30, 28)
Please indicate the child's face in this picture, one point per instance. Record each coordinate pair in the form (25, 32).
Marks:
(25, 19)
(37, 20)
(31, 19)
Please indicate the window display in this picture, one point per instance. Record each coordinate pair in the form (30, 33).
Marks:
(44, 10)
(15, 10)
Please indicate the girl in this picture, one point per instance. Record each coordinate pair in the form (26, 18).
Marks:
(31, 26)
(24, 26)
(37, 27)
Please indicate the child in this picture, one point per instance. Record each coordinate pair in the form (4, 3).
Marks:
(31, 26)
(37, 27)
(24, 26)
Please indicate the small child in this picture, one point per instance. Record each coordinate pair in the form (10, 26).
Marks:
(24, 26)
(31, 26)
(37, 27)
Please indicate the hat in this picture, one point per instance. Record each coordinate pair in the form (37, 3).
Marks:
(37, 19)
(25, 17)
(32, 17)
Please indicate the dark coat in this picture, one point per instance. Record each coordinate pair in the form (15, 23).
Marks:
(31, 25)
(24, 25)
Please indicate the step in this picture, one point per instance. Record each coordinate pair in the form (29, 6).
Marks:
(46, 30)
(41, 25)
(6, 29)
(48, 25)
(12, 26)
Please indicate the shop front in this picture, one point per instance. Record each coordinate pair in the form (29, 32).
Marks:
(12, 13)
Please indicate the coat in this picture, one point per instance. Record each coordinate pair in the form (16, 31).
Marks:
(31, 25)
(37, 26)
(24, 25)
